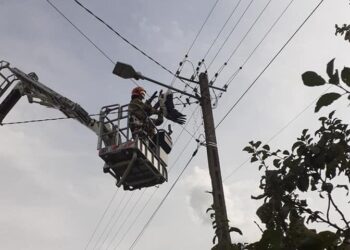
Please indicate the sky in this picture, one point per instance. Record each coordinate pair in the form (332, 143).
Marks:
(53, 192)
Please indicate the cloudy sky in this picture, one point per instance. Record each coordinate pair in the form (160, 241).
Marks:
(53, 192)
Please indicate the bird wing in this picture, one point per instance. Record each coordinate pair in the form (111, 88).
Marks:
(170, 112)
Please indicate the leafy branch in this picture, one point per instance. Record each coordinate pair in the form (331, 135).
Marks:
(311, 79)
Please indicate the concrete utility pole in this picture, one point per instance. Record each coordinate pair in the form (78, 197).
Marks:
(224, 238)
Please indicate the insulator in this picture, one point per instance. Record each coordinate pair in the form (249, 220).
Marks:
(241, 67)
(203, 60)
(197, 69)
(225, 63)
(180, 63)
(178, 72)
(216, 74)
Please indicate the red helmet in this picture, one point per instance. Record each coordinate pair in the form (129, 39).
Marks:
(138, 92)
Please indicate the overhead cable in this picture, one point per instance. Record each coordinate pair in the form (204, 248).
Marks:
(110, 221)
(277, 133)
(85, 36)
(268, 65)
(223, 27)
(101, 219)
(123, 38)
(229, 35)
(241, 41)
(200, 30)
(163, 200)
(233, 76)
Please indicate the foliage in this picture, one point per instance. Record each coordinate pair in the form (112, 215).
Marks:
(345, 29)
(312, 79)
(214, 216)
(310, 166)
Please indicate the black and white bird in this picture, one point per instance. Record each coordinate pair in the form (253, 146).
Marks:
(166, 103)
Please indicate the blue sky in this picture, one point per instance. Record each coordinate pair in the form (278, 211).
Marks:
(53, 190)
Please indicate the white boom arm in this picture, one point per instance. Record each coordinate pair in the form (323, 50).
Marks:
(36, 92)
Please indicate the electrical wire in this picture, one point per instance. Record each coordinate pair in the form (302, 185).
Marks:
(233, 76)
(278, 133)
(229, 35)
(170, 168)
(135, 219)
(84, 35)
(200, 30)
(123, 38)
(126, 218)
(163, 200)
(268, 65)
(242, 40)
(222, 28)
(110, 221)
(101, 219)
(117, 219)
(181, 64)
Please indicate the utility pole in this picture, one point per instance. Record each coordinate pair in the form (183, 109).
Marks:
(224, 238)
(127, 71)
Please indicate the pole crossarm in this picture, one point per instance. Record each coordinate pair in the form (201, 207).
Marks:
(210, 86)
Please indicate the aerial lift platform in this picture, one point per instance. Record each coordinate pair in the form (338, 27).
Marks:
(134, 161)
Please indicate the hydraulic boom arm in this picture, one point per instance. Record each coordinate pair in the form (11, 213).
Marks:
(36, 92)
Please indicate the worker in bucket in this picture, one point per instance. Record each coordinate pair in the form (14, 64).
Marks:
(140, 122)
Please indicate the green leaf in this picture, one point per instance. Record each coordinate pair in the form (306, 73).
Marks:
(345, 76)
(249, 149)
(331, 114)
(297, 145)
(257, 144)
(333, 77)
(326, 100)
(330, 67)
(276, 163)
(311, 79)
(254, 159)
(285, 152)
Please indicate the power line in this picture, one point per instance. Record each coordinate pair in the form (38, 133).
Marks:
(115, 211)
(84, 35)
(277, 133)
(162, 201)
(176, 160)
(181, 65)
(229, 35)
(126, 218)
(223, 27)
(183, 129)
(117, 219)
(233, 76)
(102, 217)
(241, 41)
(200, 30)
(135, 219)
(123, 38)
(268, 65)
